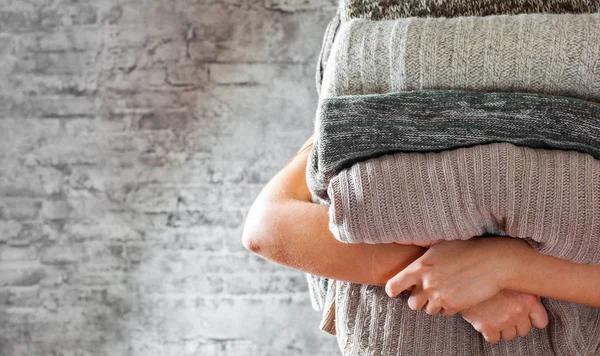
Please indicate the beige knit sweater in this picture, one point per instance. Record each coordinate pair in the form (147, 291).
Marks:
(550, 198)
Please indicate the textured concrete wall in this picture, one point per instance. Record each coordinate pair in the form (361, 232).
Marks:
(134, 135)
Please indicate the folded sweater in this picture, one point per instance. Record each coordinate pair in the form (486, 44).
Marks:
(550, 198)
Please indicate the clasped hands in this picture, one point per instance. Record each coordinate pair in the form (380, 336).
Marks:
(468, 277)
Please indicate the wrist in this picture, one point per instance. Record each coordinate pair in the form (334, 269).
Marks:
(516, 255)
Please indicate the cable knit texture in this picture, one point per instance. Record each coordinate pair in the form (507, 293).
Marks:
(551, 54)
(394, 9)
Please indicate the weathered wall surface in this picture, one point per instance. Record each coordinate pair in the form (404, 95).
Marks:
(134, 135)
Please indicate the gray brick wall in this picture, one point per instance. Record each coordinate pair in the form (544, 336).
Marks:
(134, 136)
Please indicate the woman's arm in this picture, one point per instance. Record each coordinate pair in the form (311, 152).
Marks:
(453, 275)
(284, 226)
(533, 272)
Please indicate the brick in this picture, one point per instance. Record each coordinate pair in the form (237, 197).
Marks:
(240, 263)
(157, 120)
(201, 238)
(25, 276)
(227, 73)
(187, 75)
(120, 58)
(31, 233)
(9, 230)
(66, 39)
(93, 279)
(30, 135)
(233, 239)
(188, 281)
(206, 217)
(50, 106)
(55, 209)
(132, 36)
(120, 227)
(132, 80)
(149, 198)
(147, 99)
(84, 182)
(65, 153)
(28, 297)
(8, 253)
(166, 50)
(261, 283)
(21, 208)
(83, 84)
(63, 254)
(56, 62)
(227, 196)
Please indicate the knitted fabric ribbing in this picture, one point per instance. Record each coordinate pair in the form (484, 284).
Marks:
(366, 320)
(394, 9)
(550, 198)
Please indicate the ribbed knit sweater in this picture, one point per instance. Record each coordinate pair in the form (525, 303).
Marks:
(550, 198)
(487, 54)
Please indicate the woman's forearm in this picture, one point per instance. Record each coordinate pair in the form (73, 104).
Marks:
(284, 226)
(295, 233)
(535, 273)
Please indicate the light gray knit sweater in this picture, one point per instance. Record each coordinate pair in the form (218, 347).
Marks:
(493, 53)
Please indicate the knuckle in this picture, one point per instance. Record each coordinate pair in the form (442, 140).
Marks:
(505, 320)
(427, 285)
(518, 309)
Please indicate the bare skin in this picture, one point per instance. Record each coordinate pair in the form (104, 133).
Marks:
(284, 226)
(453, 275)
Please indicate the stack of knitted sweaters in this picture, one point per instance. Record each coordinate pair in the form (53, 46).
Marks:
(485, 121)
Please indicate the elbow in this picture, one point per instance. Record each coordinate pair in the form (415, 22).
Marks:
(251, 241)
(257, 236)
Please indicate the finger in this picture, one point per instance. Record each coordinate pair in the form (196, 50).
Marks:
(538, 316)
(400, 282)
(417, 299)
(523, 326)
(446, 312)
(492, 338)
(432, 308)
(508, 333)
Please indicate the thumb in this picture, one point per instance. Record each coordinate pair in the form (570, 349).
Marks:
(405, 279)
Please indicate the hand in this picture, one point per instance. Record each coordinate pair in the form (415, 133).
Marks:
(506, 315)
(455, 275)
